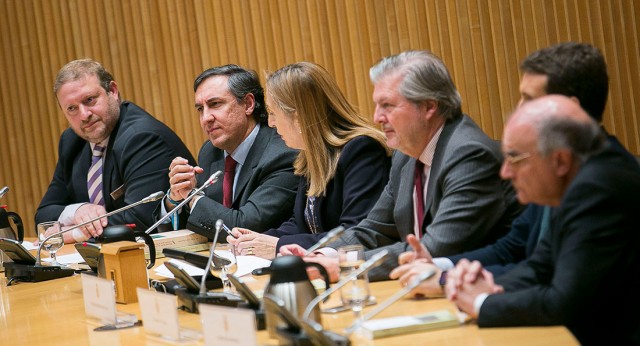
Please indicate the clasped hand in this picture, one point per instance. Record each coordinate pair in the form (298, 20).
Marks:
(247, 242)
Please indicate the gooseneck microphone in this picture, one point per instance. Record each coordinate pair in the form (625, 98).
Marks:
(401, 293)
(203, 288)
(331, 236)
(37, 272)
(152, 197)
(212, 179)
(366, 266)
(3, 191)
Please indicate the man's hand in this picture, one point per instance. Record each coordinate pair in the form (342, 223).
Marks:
(407, 272)
(247, 242)
(419, 251)
(182, 178)
(294, 250)
(87, 212)
(466, 282)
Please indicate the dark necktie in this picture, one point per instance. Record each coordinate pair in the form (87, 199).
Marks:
(419, 185)
(94, 177)
(545, 223)
(227, 184)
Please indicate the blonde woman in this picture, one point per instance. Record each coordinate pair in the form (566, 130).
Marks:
(343, 158)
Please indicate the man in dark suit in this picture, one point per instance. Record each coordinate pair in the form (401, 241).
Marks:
(582, 274)
(576, 70)
(466, 204)
(260, 184)
(135, 149)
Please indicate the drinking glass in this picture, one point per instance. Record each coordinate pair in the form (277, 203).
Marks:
(223, 263)
(356, 292)
(54, 243)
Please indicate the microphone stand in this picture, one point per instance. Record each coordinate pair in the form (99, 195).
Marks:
(396, 296)
(212, 179)
(203, 288)
(152, 197)
(369, 264)
(37, 272)
(331, 236)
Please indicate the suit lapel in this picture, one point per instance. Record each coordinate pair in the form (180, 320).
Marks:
(252, 160)
(436, 164)
(404, 200)
(215, 190)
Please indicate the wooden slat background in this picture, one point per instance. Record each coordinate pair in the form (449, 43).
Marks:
(155, 48)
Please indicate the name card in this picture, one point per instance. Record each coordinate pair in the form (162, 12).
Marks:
(160, 316)
(228, 326)
(99, 298)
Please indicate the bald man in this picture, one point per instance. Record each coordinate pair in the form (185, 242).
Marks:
(583, 272)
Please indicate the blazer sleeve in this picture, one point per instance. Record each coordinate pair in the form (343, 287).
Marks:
(502, 255)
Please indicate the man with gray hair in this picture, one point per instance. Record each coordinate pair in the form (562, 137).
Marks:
(582, 275)
(444, 184)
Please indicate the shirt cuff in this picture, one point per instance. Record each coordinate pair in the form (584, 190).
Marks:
(68, 214)
(328, 251)
(477, 303)
(443, 263)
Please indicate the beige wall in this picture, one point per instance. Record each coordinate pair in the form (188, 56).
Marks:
(155, 48)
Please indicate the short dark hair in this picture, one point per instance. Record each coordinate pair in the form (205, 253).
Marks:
(241, 82)
(573, 69)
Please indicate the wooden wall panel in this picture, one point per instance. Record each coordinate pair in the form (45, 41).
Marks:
(155, 48)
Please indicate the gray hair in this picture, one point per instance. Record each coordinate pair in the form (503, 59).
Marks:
(582, 138)
(426, 78)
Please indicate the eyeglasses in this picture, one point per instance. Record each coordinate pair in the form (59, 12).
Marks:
(515, 158)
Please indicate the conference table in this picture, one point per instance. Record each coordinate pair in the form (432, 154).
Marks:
(52, 313)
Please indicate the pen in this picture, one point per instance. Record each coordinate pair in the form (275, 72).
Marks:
(226, 229)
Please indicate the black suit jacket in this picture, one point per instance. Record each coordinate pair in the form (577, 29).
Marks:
(136, 165)
(361, 174)
(264, 193)
(584, 272)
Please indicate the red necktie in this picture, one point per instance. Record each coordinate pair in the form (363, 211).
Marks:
(227, 183)
(419, 184)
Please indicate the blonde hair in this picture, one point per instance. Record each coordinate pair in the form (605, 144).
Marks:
(327, 120)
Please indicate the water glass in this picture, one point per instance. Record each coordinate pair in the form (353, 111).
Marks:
(54, 243)
(356, 292)
(223, 263)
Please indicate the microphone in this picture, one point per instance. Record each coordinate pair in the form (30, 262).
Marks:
(374, 261)
(212, 179)
(401, 293)
(331, 236)
(152, 197)
(37, 272)
(3, 191)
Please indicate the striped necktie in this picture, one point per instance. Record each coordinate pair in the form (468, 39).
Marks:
(94, 177)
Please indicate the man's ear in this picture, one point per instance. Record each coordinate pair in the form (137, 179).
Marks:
(429, 108)
(249, 103)
(113, 88)
(562, 161)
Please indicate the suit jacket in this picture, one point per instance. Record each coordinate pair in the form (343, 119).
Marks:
(264, 193)
(362, 172)
(514, 247)
(467, 204)
(583, 274)
(136, 165)
(521, 241)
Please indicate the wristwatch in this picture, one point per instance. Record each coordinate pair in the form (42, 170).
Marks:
(191, 193)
